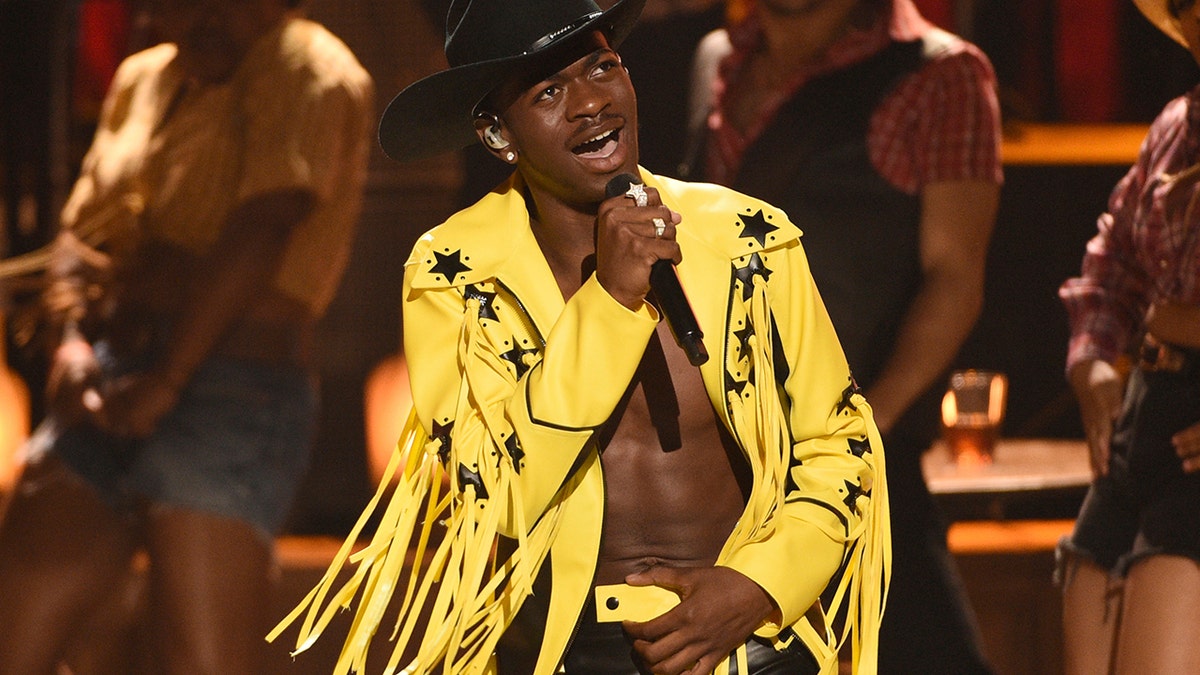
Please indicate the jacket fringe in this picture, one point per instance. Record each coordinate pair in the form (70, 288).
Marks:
(868, 554)
(457, 599)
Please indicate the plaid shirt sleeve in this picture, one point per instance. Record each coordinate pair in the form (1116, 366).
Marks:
(1106, 301)
(941, 123)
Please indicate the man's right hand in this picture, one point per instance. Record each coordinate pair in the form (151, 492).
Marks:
(73, 383)
(626, 246)
(1098, 388)
(719, 608)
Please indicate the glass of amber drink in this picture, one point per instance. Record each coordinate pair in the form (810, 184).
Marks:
(972, 412)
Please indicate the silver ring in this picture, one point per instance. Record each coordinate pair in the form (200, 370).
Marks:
(637, 193)
(659, 227)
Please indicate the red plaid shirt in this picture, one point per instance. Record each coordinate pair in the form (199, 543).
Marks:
(1147, 247)
(940, 123)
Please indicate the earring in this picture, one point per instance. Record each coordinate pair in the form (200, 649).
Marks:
(510, 156)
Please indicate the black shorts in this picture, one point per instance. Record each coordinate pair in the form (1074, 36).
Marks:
(1146, 505)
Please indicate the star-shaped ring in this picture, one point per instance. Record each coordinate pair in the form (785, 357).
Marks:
(637, 193)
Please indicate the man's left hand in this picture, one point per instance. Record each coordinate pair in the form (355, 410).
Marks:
(718, 610)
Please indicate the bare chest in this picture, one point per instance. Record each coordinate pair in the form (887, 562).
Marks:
(675, 480)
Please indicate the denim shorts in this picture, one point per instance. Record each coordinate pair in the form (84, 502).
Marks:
(236, 445)
(1146, 505)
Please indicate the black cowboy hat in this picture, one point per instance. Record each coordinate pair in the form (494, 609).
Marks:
(486, 41)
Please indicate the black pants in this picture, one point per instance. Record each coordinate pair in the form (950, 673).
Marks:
(605, 649)
(928, 626)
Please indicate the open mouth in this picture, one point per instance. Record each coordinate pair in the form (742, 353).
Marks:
(600, 145)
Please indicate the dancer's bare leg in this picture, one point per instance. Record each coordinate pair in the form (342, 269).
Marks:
(61, 550)
(210, 591)
(107, 642)
(1160, 626)
(1091, 614)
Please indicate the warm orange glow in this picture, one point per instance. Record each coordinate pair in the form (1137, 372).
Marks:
(949, 408)
(737, 10)
(1072, 144)
(387, 402)
(14, 421)
(997, 398)
(1024, 536)
(973, 457)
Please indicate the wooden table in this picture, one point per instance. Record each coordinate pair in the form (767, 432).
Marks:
(1027, 478)
(1008, 517)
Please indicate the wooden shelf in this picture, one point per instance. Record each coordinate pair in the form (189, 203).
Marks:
(1072, 144)
(979, 537)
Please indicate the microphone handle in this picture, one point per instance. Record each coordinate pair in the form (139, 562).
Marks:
(674, 305)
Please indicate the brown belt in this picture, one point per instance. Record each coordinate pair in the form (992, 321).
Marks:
(1159, 357)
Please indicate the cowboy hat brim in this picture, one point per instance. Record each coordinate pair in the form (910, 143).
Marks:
(1157, 13)
(434, 114)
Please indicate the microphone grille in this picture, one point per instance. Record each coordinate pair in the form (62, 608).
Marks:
(619, 184)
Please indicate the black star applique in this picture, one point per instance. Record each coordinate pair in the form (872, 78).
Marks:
(850, 390)
(516, 356)
(449, 265)
(734, 384)
(441, 432)
(756, 227)
(743, 337)
(755, 267)
(853, 491)
(513, 447)
(859, 446)
(468, 477)
(485, 302)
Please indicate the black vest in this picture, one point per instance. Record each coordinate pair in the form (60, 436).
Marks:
(860, 232)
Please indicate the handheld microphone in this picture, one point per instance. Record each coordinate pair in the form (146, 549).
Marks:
(664, 281)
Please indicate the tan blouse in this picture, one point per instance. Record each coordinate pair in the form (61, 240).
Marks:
(172, 158)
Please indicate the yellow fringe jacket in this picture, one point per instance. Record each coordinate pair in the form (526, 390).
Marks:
(509, 382)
